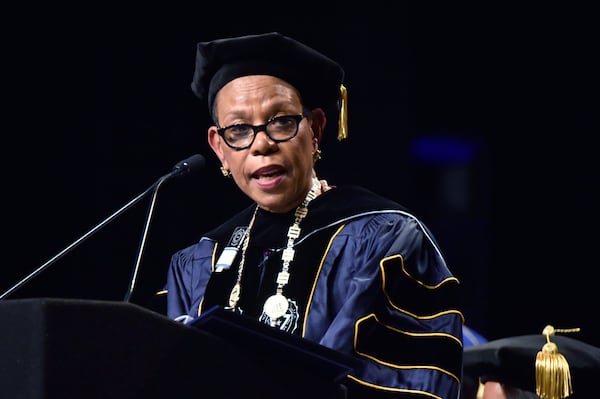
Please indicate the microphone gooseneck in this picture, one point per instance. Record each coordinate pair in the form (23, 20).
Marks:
(188, 165)
(185, 167)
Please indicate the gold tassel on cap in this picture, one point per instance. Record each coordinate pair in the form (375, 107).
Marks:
(552, 373)
(343, 121)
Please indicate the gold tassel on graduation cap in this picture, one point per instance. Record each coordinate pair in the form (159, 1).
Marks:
(552, 374)
(343, 120)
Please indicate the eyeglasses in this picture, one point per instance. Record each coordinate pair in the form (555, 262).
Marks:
(278, 129)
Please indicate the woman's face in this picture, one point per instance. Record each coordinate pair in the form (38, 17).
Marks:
(276, 176)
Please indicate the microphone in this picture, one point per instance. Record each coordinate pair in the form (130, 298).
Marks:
(189, 165)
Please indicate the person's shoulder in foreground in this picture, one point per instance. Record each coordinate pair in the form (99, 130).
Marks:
(339, 266)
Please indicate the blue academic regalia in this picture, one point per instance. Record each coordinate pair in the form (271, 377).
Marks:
(368, 278)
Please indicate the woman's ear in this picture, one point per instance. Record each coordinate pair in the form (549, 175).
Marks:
(317, 123)
(214, 140)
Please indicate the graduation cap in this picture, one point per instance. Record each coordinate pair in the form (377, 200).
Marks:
(549, 365)
(318, 79)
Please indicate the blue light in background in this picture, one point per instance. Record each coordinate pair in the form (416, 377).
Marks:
(443, 150)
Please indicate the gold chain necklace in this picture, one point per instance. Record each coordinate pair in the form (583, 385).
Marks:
(276, 305)
(234, 296)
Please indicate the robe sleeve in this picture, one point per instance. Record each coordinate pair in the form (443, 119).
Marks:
(385, 296)
(187, 277)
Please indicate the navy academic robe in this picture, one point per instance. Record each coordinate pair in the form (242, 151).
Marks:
(369, 280)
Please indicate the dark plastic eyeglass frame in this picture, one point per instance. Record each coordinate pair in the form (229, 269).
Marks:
(261, 128)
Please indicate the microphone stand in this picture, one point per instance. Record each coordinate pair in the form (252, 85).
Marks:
(80, 240)
(138, 261)
(186, 166)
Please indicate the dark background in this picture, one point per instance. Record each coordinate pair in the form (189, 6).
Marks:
(480, 119)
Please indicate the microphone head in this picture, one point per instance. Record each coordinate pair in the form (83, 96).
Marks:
(189, 165)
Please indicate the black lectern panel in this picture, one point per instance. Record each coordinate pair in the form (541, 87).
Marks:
(64, 348)
(329, 364)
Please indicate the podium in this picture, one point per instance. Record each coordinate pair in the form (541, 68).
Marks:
(68, 348)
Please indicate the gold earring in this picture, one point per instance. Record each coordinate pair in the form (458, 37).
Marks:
(316, 155)
(225, 172)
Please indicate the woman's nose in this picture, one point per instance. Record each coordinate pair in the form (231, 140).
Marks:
(263, 143)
